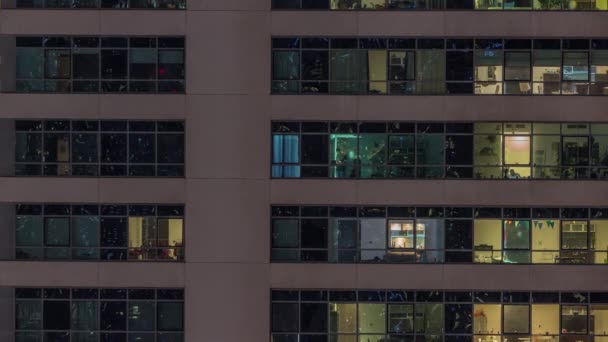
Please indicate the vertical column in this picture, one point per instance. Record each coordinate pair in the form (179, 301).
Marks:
(7, 147)
(8, 59)
(227, 140)
(7, 314)
(7, 231)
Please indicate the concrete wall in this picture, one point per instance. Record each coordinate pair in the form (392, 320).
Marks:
(8, 63)
(7, 147)
(7, 231)
(227, 191)
(7, 310)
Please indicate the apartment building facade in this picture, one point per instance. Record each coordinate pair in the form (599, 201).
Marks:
(303, 171)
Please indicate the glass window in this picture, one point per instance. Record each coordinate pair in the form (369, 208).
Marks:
(170, 64)
(401, 65)
(170, 148)
(574, 319)
(142, 238)
(401, 234)
(517, 155)
(546, 71)
(343, 240)
(56, 315)
(488, 72)
(113, 232)
(516, 234)
(84, 148)
(57, 63)
(342, 318)
(114, 64)
(599, 72)
(377, 73)
(488, 156)
(28, 315)
(141, 316)
(574, 234)
(373, 239)
(86, 63)
(487, 319)
(430, 72)
(575, 152)
(546, 156)
(315, 65)
(284, 317)
(429, 149)
(314, 235)
(430, 237)
(487, 241)
(285, 71)
(516, 319)
(285, 150)
(285, 233)
(315, 149)
(84, 315)
(29, 230)
(576, 66)
(598, 314)
(29, 63)
(400, 318)
(599, 241)
(57, 232)
(85, 231)
(372, 149)
(85, 151)
(349, 71)
(372, 318)
(141, 148)
(343, 149)
(545, 241)
(545, 319)
(429, 318)
(170, 238)
(599, 150)
(517, 66)
(401, 150)
(170, 316)
(142, 63)
(313, 317)
(28, 147)
(59, 318)
(113, 316)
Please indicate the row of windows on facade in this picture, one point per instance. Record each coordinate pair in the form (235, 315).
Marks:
(105, 4)
(481, 150)
(99, 232)
(404, 5)
(401, 66)
(99, 148)
(405, 316)
(439, 235)
(99, 315)
(100, 64)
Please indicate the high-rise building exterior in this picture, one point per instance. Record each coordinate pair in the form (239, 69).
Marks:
(304, 171)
